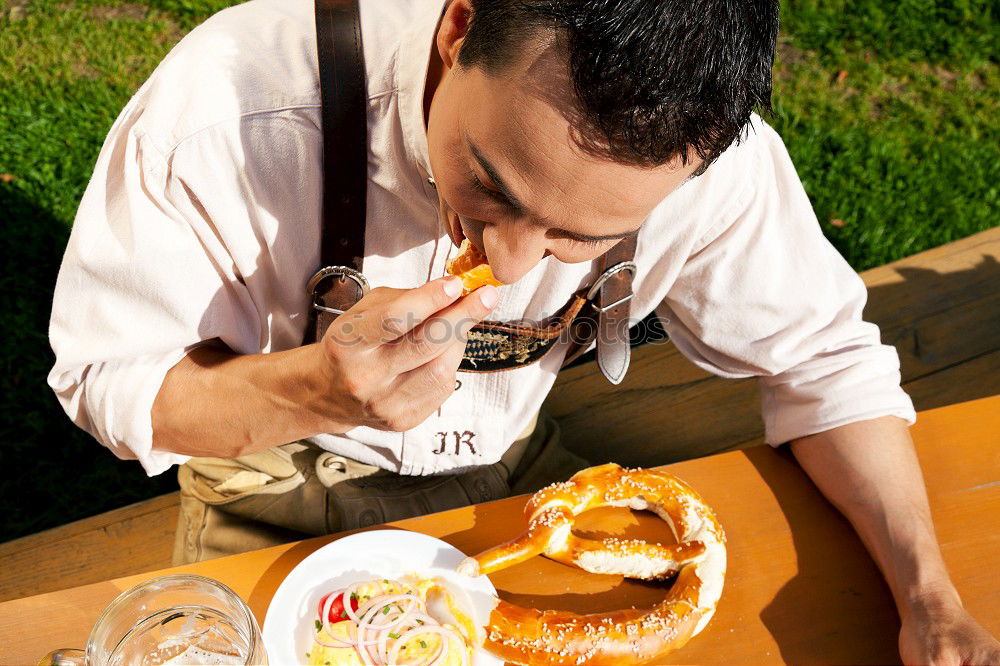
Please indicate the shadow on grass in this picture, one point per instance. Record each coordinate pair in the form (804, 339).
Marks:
(52, 472)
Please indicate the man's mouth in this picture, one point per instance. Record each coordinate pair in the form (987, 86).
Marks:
(455, 231)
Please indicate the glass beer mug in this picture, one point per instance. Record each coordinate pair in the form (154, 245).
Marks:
(180, 619)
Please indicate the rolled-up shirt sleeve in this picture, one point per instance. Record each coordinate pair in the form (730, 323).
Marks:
(149, 273)
(114, 329)
(765, 294)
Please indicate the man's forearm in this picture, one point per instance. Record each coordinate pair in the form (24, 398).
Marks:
(380, 365)
(217, 403)
(870, 472)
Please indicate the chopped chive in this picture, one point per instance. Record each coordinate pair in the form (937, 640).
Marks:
(354, 596)
(319, 625)
(385, 610)
(420, 621)
(392, 635)
(422, 643)
(343, 614)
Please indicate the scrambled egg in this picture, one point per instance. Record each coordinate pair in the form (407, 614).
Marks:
(417, 649)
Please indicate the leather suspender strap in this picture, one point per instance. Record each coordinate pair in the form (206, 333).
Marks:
(614, 291)
(607, 317)
(339, 284)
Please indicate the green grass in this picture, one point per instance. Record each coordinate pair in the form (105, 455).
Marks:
(890, 112)
(66, 70)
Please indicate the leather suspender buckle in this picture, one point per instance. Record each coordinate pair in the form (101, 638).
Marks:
(341, 272)
(604, 277)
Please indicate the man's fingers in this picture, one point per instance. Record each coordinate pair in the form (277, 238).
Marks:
(446, 330)
(425, 388)
(385, 314)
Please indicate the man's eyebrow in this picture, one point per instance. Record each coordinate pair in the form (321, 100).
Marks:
(587, 237)
(494, 176)
(502, 186)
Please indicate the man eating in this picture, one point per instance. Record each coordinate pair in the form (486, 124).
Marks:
(547, 133)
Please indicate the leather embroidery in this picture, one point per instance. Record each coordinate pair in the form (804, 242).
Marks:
(493, 346)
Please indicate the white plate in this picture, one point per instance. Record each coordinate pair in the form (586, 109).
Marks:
(288, 626)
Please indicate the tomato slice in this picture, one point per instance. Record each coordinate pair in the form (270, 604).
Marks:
(336, 612)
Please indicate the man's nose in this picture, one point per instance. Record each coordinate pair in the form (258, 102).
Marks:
(513, 250)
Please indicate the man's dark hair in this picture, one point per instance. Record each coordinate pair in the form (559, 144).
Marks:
(653, 78)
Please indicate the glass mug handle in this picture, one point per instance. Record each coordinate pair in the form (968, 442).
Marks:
(64, 657)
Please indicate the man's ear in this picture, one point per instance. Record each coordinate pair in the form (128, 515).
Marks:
(452, 31)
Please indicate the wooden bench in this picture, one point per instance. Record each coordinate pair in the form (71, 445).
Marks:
(135, 538)
(941, 309)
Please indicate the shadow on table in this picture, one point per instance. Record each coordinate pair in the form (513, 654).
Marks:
(837, 589)
(262, 593)
(549, 585)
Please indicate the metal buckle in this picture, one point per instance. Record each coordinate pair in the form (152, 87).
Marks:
(614, 270)
(335, 271)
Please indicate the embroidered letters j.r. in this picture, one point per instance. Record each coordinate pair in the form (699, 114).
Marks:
(447, 439)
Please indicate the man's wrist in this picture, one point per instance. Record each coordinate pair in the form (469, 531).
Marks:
(930, 598)
(321, 398)
(880, 490)
(915, 569)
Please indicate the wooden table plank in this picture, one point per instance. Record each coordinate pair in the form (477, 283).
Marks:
(950, 385)
(800, 587)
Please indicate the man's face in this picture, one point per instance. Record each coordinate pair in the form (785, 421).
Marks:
(510, 176)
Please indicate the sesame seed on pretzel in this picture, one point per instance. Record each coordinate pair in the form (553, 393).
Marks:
(533, 637)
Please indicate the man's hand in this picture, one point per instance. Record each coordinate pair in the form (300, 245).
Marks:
(388, 362)
(937, 630)
(391, 360)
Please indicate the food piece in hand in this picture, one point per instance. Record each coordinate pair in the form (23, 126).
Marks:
(470, 265)
(381, 621)
(528, 636)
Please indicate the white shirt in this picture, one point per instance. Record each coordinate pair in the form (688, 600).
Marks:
(202, 221)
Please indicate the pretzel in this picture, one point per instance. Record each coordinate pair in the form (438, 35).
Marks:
(470, 265)
(529, 636)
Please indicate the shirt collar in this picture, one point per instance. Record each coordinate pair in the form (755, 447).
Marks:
(411, 77)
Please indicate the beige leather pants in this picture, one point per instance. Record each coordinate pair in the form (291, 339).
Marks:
(298, 490)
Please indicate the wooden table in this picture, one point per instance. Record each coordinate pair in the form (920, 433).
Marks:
(800, 586)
